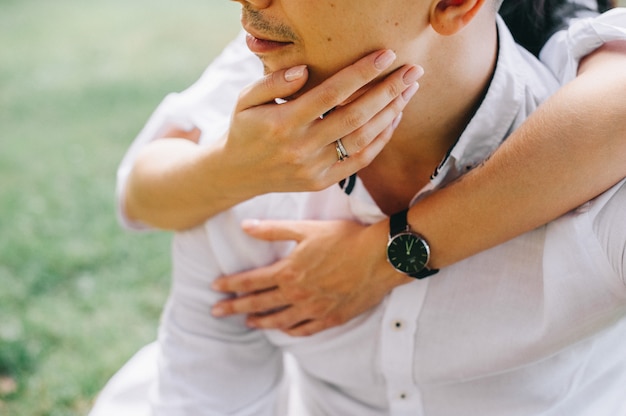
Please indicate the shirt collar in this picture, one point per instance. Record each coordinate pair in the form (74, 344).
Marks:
(518, 85)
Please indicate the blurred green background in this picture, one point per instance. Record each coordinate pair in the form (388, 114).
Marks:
(78, 79)
(78, 296)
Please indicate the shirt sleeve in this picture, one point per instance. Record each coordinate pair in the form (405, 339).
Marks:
(609, 225)
(563, 52)
(206, 105)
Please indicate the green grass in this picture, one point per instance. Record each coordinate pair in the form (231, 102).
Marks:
(78, 79)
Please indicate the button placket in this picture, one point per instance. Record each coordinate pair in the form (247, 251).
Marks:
(398, 348)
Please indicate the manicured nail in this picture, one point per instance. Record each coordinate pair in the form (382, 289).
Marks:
(385, 59)
(396, 121)
(250, 224)
(410, 91)
(413, 74)
(218, 311)
(294, 73)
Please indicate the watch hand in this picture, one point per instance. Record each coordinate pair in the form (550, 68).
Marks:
(409, 246)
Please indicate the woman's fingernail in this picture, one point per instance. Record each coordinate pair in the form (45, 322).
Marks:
(396, 121)
(294, 73)
(410, 91)
(413, 74)
(385, 59)
(250, 224)
(218, 311)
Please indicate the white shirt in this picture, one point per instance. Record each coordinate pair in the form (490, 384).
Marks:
(209, 102)
(535, 326)
(236, 67)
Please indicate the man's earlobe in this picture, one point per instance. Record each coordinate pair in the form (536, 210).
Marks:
(447, 17)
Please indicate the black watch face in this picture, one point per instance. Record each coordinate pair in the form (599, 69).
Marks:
(407, 253)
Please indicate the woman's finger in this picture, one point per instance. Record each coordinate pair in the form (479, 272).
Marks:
(279, 84)
(356, 119)
(338, 88)
(282, 319)
(254, 280)
(254, 303)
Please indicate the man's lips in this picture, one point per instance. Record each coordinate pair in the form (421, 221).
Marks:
(259, 45)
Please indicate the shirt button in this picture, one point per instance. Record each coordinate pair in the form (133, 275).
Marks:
(403, 396)
(397, 325)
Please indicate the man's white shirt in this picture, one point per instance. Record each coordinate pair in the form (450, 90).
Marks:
(536, 326)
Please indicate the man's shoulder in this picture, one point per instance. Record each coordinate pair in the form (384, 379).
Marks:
(538, 79)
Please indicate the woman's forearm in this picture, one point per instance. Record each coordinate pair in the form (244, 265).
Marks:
(570, 150)
(168, 186)
(176, 184)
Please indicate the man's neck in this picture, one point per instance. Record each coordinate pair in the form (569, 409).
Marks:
(450, 92)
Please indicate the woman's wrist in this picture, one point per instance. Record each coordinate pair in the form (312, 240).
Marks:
(386, 277)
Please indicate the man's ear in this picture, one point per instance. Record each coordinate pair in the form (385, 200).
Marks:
(447, 17)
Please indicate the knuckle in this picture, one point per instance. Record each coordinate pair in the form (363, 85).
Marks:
(288, 275)
(245, 285)
(364, 157)
(297, 294)
(256, 322)
(282, 322)
(361, 138)
(330, 96)
(355, 118)
(398, 104)
(294, 160)
(316, 310)
(269, 81)
(298, 157)
(287, 149)
(333, 321)
(277, 129)
(252, 304)
(394, 90)
(364, 71)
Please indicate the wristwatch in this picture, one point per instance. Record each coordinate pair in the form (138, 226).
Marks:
(407, 252)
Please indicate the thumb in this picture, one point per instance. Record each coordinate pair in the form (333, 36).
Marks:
(279, 84)
(273, 230)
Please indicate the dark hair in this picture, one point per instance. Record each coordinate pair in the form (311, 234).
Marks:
(532, 22)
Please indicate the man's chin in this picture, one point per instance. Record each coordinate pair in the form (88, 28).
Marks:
(313, 81)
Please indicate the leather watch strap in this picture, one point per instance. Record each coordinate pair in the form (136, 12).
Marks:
(398, 222)
(425, 272)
